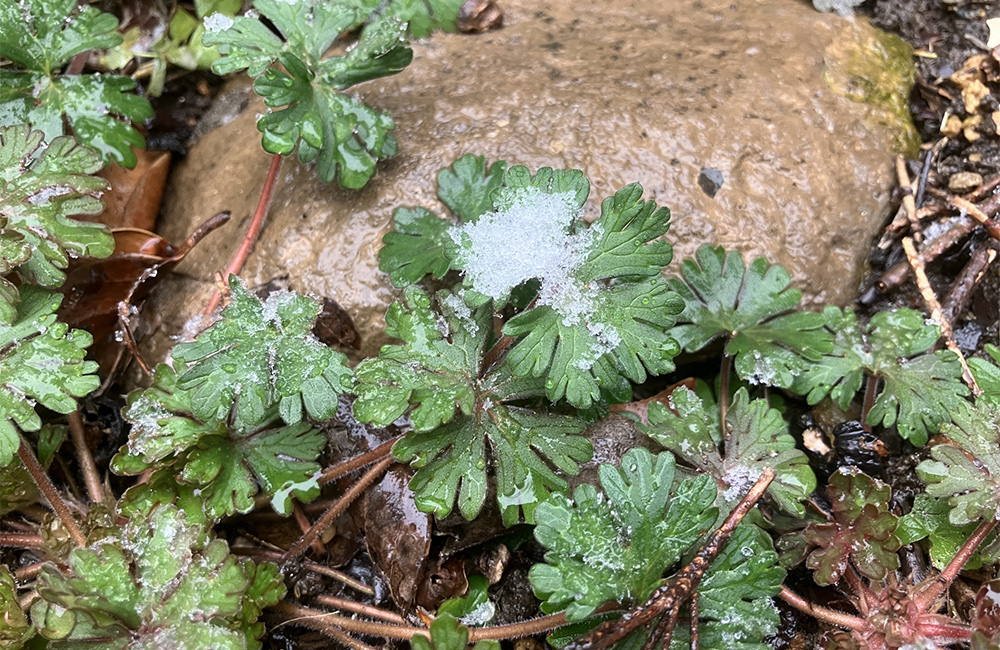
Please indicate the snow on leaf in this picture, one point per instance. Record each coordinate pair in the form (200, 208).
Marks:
(40, 37)
(920, 387)
(40, 190)
(41, 363)
(344, 136)
(862, 530)
(966, 470)
(161, 583)
(448, 634)
(225, 464)
(452, 460)
(758, 438)
(260, 355)
(750, 309)
(616, 545)
(433, 371)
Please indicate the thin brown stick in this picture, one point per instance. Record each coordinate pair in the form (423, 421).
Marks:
(972, 273)
(339, 576)
(920, 275)
(934, 587)
(21, 540)
(897, 274)
(672, 595)
(55, 500)
(360, 608)
(359, 461)
(326, 520)
(26, 573)
(839, 619)
(91, 478)
(253, 230)
(871, 390)
(303, 522)
(973, 211)
(320, 620)
(313, 619)
(909, 204)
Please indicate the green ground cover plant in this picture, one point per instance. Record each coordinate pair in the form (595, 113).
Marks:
(521, 323)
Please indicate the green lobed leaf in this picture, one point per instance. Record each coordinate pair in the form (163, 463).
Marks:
(41, 360)
(262, 354)
(920, 387)
(751, 310)
(448, 634)
(987, 376)
(434, 374)
(40, 37)
(15, 629)
(966, 470)
(343, 135)
(162, 583)
(757, 438)
(40, 191)
(616, 545)
(862, 530)
(928, 519)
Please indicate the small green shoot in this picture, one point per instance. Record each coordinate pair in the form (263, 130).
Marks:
(448, 634)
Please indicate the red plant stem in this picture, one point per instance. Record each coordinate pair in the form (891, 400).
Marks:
(933, 589)
(724, 372)
(51, 493)
(518, 630)
(957, 632)
(310, 618)
(866, 599)
(21, 540)
(26, 573)
(822, 613)
(360, 608)
(303, 522)
(348, 466)
(319, 620)
(91, 477)
(256, 223)
(326, 520)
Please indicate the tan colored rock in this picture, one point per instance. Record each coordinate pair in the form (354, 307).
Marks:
(652, 92)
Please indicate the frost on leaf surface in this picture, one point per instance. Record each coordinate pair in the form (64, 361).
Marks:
(15, 628)
(262, 354)
(40, 37)
(921, 387)
(224, 464)
(966, 470)
(421, 16)
(160, 584)
(751, 310)
(40, 191)
(419, 243)
(41, 363)
(524, 447)
(861, 531)
(448, 634)
(928, 519)
(615, 545)
(436, 368)
(342, 134)
(758, 438)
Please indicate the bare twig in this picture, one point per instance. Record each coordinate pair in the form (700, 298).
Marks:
(325, 521)
(958, 297)
(976, 213)
(909, 205)
(256, 223)
(920, 275)
(91, 478)
(55, 500)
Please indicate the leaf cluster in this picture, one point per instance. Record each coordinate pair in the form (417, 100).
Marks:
(40, 37)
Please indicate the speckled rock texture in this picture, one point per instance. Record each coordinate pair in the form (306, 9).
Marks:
(654, 92)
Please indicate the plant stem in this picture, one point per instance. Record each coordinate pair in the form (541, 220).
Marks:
(91, 477)
(339, 576)
(360, 608)
(256, 223)
(348, 466)
(871, 387)
(932, 590)
(21, 540)
(26, 573)
(724, 372)
(51, 493)
(839, 619)
(518, 630)
(320, 620)
(303, 522)
(325, 521)
(311, 618)
(693, 605)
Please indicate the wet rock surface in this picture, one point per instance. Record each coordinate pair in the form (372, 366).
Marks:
(625, 91)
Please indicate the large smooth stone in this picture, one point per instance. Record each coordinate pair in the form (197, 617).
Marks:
(626, 91)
